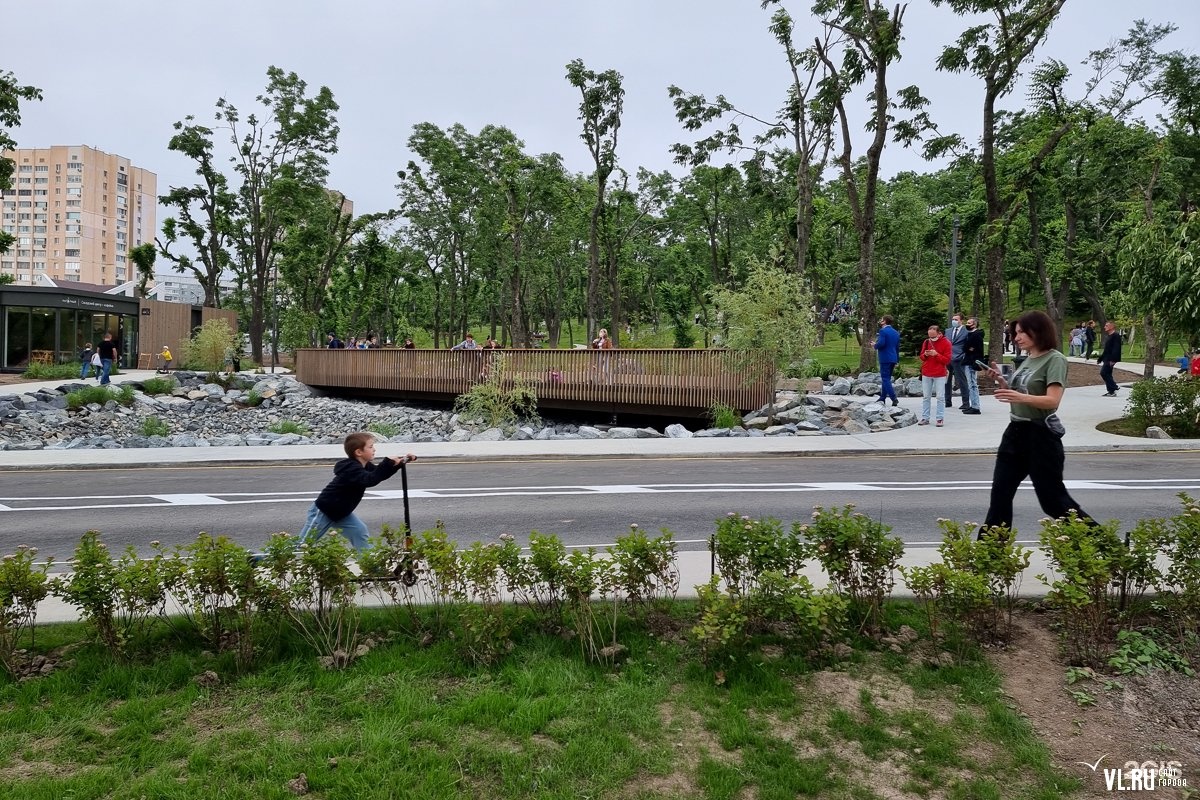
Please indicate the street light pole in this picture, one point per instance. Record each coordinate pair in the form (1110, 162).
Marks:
(953, 264)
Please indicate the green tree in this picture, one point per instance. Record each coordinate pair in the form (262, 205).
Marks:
(868, 42)
(143, 257)
(204, 214)
(11, 95)
(995, 52)
(278, 159)
(769, 315)
(602, 100)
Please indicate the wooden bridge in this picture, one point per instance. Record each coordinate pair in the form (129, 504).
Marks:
(657, 382)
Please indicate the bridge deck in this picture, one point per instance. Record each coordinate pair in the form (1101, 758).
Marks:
(670, 382)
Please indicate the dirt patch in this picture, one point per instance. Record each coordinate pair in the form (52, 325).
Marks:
(1134, 719)
(684, 729)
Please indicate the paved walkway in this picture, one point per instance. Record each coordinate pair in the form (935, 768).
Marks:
(1082, 410)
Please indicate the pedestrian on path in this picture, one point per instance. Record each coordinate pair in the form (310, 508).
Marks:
(957, 372)
(85, 361)
(352, 476)
(935, 358)
(108, 354)
(887, 342)
(1109, 356)
(972, 354)
(1089, 339)
(1032, 443)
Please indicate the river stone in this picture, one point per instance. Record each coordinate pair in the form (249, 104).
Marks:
(840, 386)
(1155, 432)
(677, 431)
(622, 433)
(712, 433)
(460, 435)
(648, 433)
(854, 426)
(490, 435)
(588, 432)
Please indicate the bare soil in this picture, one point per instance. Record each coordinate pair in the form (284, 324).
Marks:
(1154, 718)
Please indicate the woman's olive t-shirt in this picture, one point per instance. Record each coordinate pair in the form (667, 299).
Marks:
(1032, 377)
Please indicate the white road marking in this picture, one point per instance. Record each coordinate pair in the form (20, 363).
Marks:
(76, 503)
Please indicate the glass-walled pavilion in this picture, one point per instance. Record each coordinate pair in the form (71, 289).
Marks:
(49, 326)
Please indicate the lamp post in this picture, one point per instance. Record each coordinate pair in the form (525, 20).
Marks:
(953, 265)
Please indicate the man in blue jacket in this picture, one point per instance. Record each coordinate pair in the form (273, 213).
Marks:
(888, 345)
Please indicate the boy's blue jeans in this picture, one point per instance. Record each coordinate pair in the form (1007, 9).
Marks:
(318, 524)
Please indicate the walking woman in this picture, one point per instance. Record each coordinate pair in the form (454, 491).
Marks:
(1032, 444)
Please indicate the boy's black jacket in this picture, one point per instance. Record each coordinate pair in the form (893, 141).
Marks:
(350, 479)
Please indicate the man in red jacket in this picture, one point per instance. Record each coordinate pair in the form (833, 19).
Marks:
(935, 356)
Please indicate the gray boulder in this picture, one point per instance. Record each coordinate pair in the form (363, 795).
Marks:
(677, 431)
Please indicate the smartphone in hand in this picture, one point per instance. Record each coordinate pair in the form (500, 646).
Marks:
(999, 376)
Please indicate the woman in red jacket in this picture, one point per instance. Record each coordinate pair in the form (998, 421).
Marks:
(935, 356)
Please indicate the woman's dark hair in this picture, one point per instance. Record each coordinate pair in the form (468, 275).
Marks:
(1038, 326)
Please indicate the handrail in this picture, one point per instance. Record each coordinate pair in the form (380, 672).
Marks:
(684, 382)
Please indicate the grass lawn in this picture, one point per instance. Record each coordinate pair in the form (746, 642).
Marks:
(406, 721)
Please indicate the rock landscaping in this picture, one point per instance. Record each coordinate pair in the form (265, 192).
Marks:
(199, 413)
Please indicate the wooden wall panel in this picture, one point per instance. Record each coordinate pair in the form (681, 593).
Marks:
(685, 382)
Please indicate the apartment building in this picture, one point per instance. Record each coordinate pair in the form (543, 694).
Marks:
(76, 212)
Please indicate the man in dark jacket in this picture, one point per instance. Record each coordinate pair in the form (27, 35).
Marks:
(333, 342)
(972, 352)
(1109, 356)
(352, 476)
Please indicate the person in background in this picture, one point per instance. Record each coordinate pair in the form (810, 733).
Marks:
(1089, 339)
(166, 357)
(333, 342)
(468, 343)
(1110, 354)
(1032, 443)
(887, 342)
(972, 353)
(85, 362)
(956, 373)
(408, 344)
(109, 353)
(935, 357)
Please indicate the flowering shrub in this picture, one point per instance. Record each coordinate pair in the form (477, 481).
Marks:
(643, 568)
(859, 557)
(745, 548)
(23, 584)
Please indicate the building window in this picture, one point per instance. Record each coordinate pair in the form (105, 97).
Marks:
(72, 253)
(42, 168)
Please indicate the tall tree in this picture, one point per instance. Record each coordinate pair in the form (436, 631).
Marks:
(143, 257)
(278, 158)
(995, 52)
(11, 95)
(869, 42)
(205, 212)
(602, 100)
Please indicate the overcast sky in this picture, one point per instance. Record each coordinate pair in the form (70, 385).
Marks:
(117, 74)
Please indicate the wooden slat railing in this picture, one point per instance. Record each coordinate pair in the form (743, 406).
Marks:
(683, 382)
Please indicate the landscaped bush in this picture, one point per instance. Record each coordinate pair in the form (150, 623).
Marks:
(745, 548)
(724, 416)
(1087, 562)
(157, 386)
(23, 584)
(51, 372)
(99, 395)
(205, 351)
(496, 400)
(975, 585)
(155, 426)
(859, 557)
(289, 426)
(1172, 404)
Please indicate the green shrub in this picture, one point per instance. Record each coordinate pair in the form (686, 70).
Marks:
(157, 386)
(859, 557)
(51, 372)
(1088, 561)
(788, 605)
(1177, 584)
(213, 581)
(1140, 653)
(975, 586)
(205, 351)
(496, 400)
(722, 626)
(644, 569)
(724, 416)
(253, 399)
(288, 426)
(23, 584)
(1171, 403)
(745, 548)
(387, 429)
(91, 587)
(99, 395)
(155, 426)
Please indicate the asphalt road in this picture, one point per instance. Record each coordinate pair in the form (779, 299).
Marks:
(583, 502)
